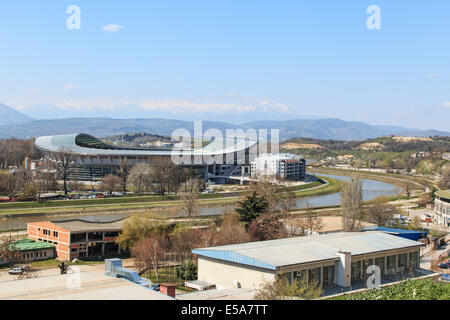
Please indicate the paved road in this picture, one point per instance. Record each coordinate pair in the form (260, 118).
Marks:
(97, 268)
(427, 225)
(425, 261)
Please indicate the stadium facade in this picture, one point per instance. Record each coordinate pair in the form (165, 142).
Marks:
(92, 159)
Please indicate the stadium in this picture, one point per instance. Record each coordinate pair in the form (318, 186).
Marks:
(91, 159)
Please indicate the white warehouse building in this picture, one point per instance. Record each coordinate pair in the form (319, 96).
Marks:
(339, 259)
(282, 165)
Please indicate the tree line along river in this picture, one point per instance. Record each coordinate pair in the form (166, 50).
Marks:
(371, 189)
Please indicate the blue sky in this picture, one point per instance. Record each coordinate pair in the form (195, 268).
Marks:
(229, 60)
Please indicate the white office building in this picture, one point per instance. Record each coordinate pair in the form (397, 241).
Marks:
(282, 165)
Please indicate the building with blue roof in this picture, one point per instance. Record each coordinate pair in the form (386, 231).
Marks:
(329, 259)
(407, 234)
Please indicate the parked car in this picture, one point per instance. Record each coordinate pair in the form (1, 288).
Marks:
(156, 287)
(444, 265)
(426, 218)
(18, 270)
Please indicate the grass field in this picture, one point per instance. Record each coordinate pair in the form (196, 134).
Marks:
(85, 206)
(167, 275)
(53, 263)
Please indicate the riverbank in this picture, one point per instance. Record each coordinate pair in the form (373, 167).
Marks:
(415, 183)
(167, 202)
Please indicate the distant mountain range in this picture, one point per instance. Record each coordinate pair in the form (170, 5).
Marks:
(10, 116)
(16, 124)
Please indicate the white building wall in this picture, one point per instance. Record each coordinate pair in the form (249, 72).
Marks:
(225, 275)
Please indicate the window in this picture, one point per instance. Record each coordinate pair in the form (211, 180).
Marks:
(356, 271)
(391, 263)
(413, 260)
(328, 275)
(314, 275)
(380, 263)
(300, 276)
(55, 233)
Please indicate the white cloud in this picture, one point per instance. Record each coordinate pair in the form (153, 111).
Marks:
(170, 106)
(112, 28)
(69, 86)
(434, 76)
(444, 105)
(273, 105)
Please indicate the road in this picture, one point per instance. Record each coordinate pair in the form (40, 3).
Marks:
(425, 261)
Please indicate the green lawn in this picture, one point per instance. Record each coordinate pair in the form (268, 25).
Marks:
(167, 275)
(407, 290)
(53, 263)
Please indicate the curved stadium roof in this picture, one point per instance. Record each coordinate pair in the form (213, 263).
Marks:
(88, 145)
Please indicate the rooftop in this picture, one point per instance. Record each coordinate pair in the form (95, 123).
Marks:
(443, 194)
(31, 245)
(88, 145)
(279, 156)
(78, 225)
(223, 294)
(92, 286)
(274, 254)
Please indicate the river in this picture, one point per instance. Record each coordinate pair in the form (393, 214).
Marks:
(371, 190)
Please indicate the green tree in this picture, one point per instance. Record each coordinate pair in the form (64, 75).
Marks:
(251, 208)
(187, 271)
(281, 289)
(139, 227)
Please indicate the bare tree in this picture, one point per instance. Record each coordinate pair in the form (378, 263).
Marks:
(139, 177)
(63, 162)
(303, 225)
(123, 172)
(269, 192)
(110, 183)
(444, 183)
(9, 184)
(159, 173)
(312, 222)
(9, 252)
(351, 197)
(231, 230)
(380, 212)
(187, 238)
(149, 253)
(190, 196)
(287, 202)
(14, 151)
(45, 178)
(267, 227)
